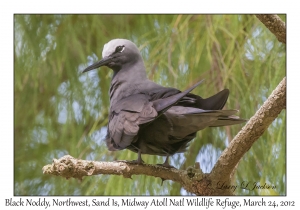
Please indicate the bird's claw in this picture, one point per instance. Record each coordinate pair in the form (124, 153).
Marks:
(166, 165)
(122, 161)
(139, 162)
(131, 161)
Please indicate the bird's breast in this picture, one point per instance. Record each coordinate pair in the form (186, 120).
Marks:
(121, 90)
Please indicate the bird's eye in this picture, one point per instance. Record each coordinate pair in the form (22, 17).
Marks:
(120, 48)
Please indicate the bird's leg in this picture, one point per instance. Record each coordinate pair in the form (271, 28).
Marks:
(139, 160)
(166, 163)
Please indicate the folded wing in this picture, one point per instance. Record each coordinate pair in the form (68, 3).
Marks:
(126, 116)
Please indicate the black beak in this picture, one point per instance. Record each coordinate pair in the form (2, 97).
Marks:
(102, 62)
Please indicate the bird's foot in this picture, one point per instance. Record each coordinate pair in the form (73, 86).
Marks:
(131, 161)
(122, 161)
(167, 165)
(139, 162)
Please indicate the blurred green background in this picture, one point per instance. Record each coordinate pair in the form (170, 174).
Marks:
(58, 111)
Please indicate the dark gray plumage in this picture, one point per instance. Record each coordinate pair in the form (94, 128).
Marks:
(148, 118)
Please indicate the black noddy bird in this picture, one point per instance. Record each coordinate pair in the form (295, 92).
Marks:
(148, 118)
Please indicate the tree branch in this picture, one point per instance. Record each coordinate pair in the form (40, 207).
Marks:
(275, 25)
(255, 127)
(68, 166)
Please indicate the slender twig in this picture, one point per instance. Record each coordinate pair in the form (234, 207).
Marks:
(70, 167)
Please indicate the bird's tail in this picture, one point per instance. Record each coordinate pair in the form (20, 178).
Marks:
(230, 120)
(225, 117)
(215, 102)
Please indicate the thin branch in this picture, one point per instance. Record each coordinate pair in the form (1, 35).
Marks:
(275, 25)
(255, 127)
(68, 166)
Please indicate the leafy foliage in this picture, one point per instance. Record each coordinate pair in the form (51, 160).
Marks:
(60, 111)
